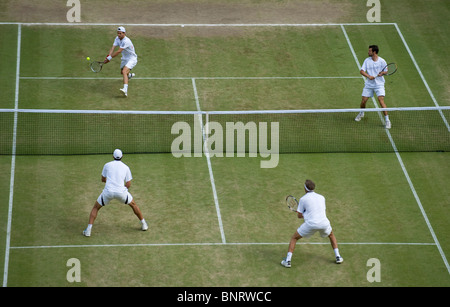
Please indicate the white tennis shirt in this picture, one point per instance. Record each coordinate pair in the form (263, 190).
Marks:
(373, 69)
(312, 206)
(128, 51)
(117, 174)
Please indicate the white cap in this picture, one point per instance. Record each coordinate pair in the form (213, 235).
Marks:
(117, 154)
(121, 29)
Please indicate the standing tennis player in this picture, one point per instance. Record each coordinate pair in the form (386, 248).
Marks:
(117, 176)
(129, 57)
(372, 69)
(311, 207)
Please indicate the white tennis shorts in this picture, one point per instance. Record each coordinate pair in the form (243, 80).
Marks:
(305, 230)
(106, 197)
(130, 63)
(368, 91)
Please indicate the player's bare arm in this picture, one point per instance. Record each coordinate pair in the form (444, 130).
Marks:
(112, 54)
(362, 72)
(128, 184)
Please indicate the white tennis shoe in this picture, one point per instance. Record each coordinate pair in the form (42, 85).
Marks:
(131, 75)
(286, 264)
(144, 226)
(124, 92)
(87, 232)
(388, 124)
(359, 116)
(339, 259)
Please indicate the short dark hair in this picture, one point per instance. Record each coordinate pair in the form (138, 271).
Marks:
(374, 48)
(310, 185)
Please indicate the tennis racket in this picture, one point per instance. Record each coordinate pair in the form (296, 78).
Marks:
(292, 203)
(391, 69)
(96, 66)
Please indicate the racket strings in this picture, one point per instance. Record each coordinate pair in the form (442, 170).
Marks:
(292, 203)
(391, 68)
(95, 66)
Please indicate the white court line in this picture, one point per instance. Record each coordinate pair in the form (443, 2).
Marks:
(13, 161)
(218, 244)
(190, 78)
(405, 172)
(77, 24)
(208, 160)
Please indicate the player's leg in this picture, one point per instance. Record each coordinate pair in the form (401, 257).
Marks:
(382, 104)
(295, 237)
(334, 245)
(92, 217)
(94, 212)
(386, 116)
(138, 213)
(126, 67)
(287, 261)
(362, 106)
(125, 71)
(136, 210)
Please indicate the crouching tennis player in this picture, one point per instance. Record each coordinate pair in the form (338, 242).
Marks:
(117, 176)
(311, 207)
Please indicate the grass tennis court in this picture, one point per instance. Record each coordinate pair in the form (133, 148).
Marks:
(223, 225)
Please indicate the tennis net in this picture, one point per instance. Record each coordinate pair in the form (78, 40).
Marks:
(76, 132)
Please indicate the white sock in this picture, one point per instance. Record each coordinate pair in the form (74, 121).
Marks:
(387, 117)
(289, 256)
(336, 252)
(89, 227)
(143, 221)
(125, 87)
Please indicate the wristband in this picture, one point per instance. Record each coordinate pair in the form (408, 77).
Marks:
(109, 58)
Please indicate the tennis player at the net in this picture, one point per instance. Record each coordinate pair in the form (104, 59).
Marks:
(311, 207)
(372, 69)
(117, 178)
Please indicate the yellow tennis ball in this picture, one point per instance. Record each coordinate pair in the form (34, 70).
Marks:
(88, 58)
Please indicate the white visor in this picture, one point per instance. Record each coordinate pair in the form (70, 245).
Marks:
(121, 29)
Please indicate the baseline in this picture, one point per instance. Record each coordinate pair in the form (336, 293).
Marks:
(218, 244)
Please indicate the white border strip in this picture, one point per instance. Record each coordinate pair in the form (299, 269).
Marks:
(13, 160)
(405, 172)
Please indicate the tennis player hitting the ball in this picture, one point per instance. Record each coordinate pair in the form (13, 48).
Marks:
(311, 207)
(129, 57)
(117, 176)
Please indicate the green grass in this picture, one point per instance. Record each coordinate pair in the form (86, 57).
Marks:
(371, 206)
